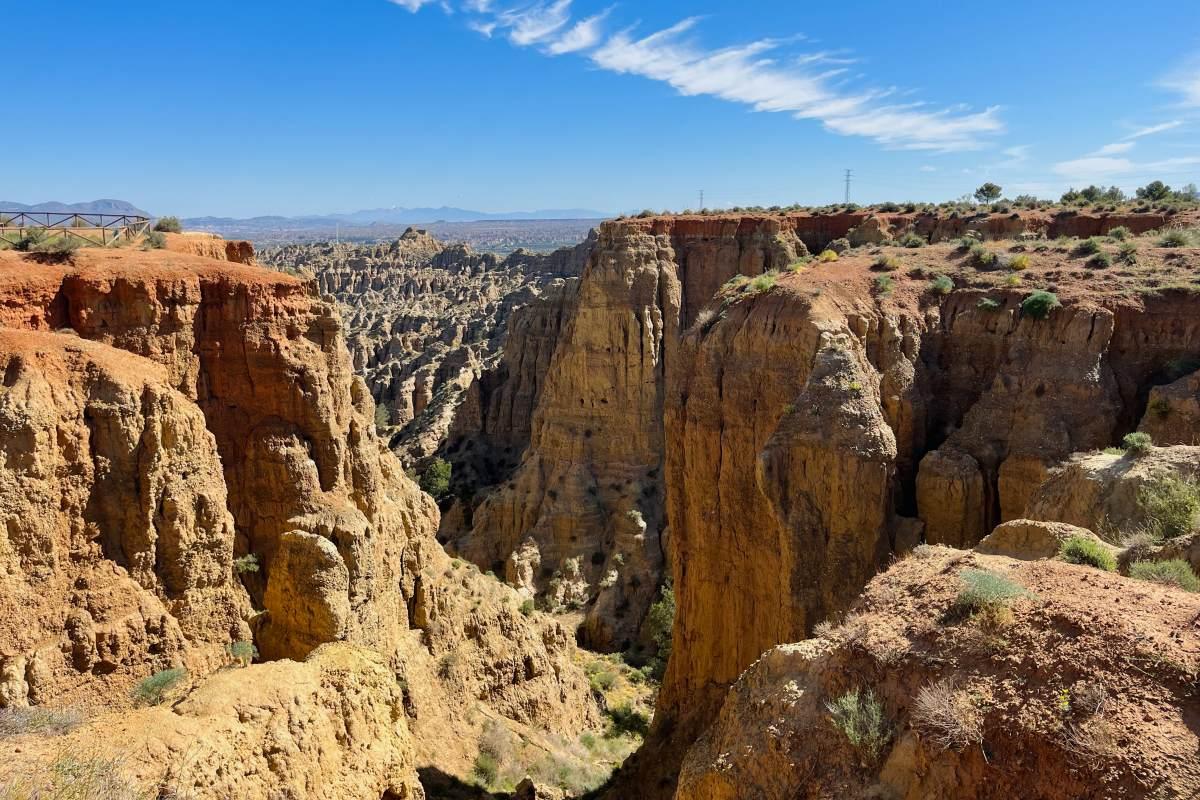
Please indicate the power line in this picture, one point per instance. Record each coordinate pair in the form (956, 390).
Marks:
(849, 174)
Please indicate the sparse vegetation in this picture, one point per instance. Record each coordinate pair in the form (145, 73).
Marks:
(986, 592)
(435, 480)
(1088, 551)
(245, 564)
(1137, 444)
(859, 715)
(243, 652)
(1100, 261)
(946, 716)
(1120, 233)
(884, 285)
(154, 240)
(827, 256)
(154, 690)
(886, 263)
(941, 285)
(911, 240)
(1089, 247)
(982, 257)
(1176, 572)
(1171, 505)
(1019, 262)
(168, 225)
(527, 607)
(1127, 253)
(764, 282)
(1176, 237)
(988, 304)
(38, 720)
(660, 620)
(74, 776)
(1039, 304)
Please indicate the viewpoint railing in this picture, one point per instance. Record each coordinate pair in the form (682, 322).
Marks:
(93, 228)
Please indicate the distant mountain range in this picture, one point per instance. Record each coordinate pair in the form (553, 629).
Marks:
(389, 216)
(93, 207)
(355, 219)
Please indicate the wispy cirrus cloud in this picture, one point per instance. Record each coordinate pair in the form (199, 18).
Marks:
(1185, 81)
(761, 74)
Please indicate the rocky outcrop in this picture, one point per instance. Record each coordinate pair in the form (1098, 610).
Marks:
(1100, 491)
(1029, 539)
(116, 544)
(169, 413)
(332, 727)
(588, 492)
(1084, 723)
(210, 245)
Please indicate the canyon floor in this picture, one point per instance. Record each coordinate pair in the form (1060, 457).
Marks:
(893, 505)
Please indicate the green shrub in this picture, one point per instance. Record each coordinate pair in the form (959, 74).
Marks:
(765, 282)
(1019, 263)
(1127, 253)
(1089, 247)
(1137, 443)
(967, 242)
(436, 478)
(941, 285)
(984, 591)
(1120, 233)
(154, 241)
(30, 240)
(627, 719)
(243, 652)
(1100, 261)
(1039, 304)
(1088, 551)
(884, 284)
(1171, 506)
(660, 620)
(859, 715)
(602, 681)
(153, 690)
(911, 240)
(247, 563)
(983, 257)
(168, 225)
(527, 607)
(486, 769)
(827, 256)
(1175, 238)
(1175, 572)
(988, 304)
(886, 263)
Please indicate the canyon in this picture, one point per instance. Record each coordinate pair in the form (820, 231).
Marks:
(814, 431)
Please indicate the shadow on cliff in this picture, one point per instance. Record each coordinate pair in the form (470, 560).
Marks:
(440, 786)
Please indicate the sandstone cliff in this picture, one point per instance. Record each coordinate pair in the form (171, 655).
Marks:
(163, 414)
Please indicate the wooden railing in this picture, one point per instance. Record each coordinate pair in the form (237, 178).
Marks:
(93, 228)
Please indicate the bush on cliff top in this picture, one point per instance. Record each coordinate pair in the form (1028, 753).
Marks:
(859, 715)
(169, 225)
(1171, 505)
(154, 690)
(1039, 304)
(1089, 552)
(1175, 572)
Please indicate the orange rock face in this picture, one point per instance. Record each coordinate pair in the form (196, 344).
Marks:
(163, 414)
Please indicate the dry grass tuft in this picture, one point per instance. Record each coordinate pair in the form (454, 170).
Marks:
(946, 716)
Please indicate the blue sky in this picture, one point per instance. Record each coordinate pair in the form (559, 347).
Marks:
(239, 108)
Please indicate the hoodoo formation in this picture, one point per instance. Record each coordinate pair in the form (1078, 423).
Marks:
(860, 504)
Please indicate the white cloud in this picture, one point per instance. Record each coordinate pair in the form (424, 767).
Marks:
(1094, 168)
(742, 74)
(809, 87)
(1153, 129)
(927, 168)
(412, 5)
(1115, 148)
(1186, 81)
(535, 23)
(583, 36)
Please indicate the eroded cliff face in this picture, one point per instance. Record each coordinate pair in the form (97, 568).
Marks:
(581, 521)
(814, 429)
(164, 414)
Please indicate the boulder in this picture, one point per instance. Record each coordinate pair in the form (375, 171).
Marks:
(1030, 540)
